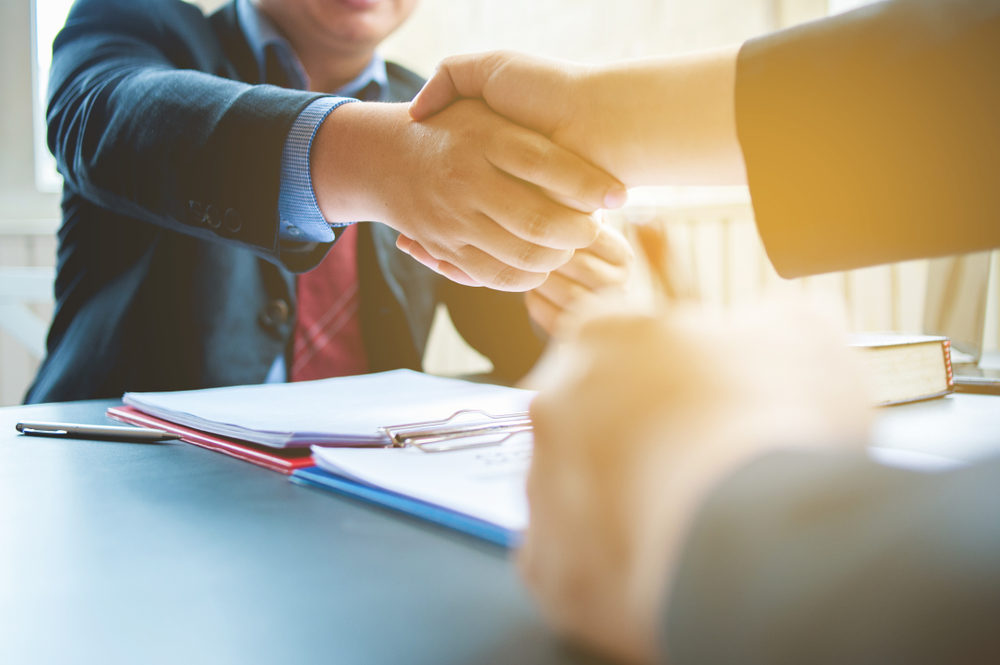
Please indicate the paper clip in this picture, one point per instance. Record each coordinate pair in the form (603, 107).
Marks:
(438, 436)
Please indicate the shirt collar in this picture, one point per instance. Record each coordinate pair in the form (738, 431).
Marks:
(262, 34)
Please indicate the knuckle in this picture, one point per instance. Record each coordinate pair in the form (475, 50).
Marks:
(465, 257)
(533, 159)
(589, 228)
(509, 278)
(535, 257)
(528, 255)
(536, 226)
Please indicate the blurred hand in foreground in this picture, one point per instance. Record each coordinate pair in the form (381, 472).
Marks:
(638, 417)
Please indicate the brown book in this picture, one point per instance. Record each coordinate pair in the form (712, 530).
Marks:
(905, 368)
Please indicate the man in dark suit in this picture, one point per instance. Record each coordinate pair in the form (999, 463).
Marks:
(194, 192)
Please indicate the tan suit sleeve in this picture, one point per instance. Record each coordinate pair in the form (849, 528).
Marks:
(874, 136)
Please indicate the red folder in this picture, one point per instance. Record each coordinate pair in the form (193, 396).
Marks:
(282, 460)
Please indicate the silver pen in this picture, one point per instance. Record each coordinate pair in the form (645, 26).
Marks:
(102, 432)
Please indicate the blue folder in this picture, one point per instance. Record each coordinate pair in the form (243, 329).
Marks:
(317, 477)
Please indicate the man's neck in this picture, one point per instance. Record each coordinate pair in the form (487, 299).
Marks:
(329, 72)
(327, 64)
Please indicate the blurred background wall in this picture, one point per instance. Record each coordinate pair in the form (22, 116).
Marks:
(711, 229)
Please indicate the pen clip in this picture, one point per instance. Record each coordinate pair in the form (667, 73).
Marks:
(44, 432)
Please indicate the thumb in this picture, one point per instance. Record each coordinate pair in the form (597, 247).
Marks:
(436, 95)
(456, 76)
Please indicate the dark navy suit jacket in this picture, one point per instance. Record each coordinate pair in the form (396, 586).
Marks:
(171, 274)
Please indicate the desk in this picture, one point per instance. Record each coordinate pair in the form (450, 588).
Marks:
(168, 553)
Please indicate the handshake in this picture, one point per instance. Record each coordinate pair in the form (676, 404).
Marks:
(493, 174)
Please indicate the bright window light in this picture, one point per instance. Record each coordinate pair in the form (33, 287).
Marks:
(838, 6)
(47, 18)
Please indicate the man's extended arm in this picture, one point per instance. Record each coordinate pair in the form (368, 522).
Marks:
(136, 130)
(846, 125)
(136, 133)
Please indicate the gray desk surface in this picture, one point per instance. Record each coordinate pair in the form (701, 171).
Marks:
(168, 553)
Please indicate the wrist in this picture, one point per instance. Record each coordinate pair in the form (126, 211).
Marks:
(353, 150)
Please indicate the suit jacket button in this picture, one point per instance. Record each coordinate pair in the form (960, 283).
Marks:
(196, 211)
(275, 313)
(231, 220)
(212, 218)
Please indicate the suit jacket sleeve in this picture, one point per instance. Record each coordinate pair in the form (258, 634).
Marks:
(138, 127)
(808, 558)
(872, 136)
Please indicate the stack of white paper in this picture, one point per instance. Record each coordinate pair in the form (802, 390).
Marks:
(344, 411)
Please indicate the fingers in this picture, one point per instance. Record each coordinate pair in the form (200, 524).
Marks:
(604, 264)
(438, 92)
(404, 243)
(536, 218)
(476, 204)
(612, 247)
(499, 243)
(561, 291)
(497, 249)
(542, 311)
(478, 268)
(531, 157)
(415, 250)
(537, 93)
(454, 274)
(535, 159)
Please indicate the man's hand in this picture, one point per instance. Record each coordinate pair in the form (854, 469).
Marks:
(597, 270)
(638, 417)
(536, 92)
(655, 121)
(556, 98)
(472, 189)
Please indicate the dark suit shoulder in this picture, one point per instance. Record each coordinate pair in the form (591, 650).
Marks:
(169, 29)
(137, 15)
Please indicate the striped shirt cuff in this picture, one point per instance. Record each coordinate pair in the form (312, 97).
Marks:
(298, 211)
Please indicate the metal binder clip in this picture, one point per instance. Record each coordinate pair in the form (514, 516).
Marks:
(437, 436)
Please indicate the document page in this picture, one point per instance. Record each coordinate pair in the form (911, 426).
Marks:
(487, 483)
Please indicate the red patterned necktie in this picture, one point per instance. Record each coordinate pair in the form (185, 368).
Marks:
(328, 339)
